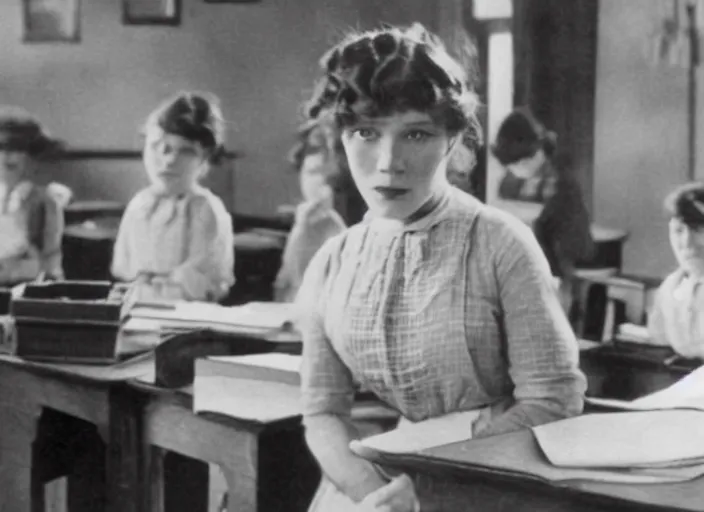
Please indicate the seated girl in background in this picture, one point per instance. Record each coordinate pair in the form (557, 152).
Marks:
(677, 317)
(316, 220)
(175, 240)
(31, 216)
(526, 149)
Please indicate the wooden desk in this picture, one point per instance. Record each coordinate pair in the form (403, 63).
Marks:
(627, 371)
(29, 389)
(267, 466)
(494, 475)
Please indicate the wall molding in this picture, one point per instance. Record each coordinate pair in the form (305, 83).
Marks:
(117, 154)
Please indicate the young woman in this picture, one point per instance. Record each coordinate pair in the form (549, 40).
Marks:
(175, 240)
(435, 302)
(31, 216)
(677, 317)
(527, 150)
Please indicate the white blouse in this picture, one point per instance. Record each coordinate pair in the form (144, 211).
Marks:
(176, 247)
(677, 318)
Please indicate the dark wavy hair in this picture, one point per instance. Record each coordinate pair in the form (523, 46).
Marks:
(686, 203)
(521, 136)
(393, 69)
(196, 117)
(21, 131)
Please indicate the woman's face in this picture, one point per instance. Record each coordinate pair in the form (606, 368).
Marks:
(688, 246)
(174, 164)
(398, 162)
(14, 166)
(527, 167)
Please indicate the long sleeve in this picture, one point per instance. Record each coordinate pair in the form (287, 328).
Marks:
(312, 228)
(208, 271)
(540, 345)
(122, 266)
(45, 228)
(328, 392)
(50, 253)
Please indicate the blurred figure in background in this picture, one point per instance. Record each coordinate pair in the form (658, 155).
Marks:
(527, 151)
(176, 240)
(316, 219)
(677, 317)
(31, 215)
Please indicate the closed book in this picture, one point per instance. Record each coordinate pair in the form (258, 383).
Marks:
(273, 367)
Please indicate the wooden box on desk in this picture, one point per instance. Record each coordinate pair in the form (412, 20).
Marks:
(67, 321)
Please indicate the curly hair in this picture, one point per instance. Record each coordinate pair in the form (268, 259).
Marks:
(389, 70)
(196, 117)
(686, 203)
(21, 131)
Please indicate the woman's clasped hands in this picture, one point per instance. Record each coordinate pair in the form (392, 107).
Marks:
(398, 495)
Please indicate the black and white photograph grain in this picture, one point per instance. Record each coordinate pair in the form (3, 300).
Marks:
(352, 256)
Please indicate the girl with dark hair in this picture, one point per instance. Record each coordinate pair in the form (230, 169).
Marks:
(31, 216)
(434, 302)
(175, 240)
(528, 152)
(677, 317)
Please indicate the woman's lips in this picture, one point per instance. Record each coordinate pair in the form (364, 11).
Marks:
(391, 192)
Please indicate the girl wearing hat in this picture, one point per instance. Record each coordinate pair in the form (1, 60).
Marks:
(435, 302)
(31, 216)
(677, 317)
(527, 151)
(175, 240)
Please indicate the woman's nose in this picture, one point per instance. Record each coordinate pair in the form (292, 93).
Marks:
(389, 157)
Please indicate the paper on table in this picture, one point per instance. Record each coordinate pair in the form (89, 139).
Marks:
(413, 437)
(255, 315)
(623, 439)
(252, 400)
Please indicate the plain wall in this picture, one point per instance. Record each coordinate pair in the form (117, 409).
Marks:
(640, 133)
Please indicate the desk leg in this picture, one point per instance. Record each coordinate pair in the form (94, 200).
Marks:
(18, 491)
(123, 440)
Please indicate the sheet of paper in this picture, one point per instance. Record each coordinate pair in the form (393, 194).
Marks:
(623, 439)
(250, 400)
(413, 437)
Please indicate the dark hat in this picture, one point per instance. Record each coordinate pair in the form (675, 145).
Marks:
(520, 136)
(20, 131)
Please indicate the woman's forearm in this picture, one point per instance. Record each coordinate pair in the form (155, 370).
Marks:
(328, 438)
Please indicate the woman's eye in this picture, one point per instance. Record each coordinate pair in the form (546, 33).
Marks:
(417, 135)
(365, 133)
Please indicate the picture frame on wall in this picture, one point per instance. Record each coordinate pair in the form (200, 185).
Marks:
(51, 21)
(151, 12)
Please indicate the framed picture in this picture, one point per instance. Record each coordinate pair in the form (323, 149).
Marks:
(151, 12)
(51, 21)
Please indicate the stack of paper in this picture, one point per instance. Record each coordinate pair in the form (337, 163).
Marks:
(254, 317)
(655, 446)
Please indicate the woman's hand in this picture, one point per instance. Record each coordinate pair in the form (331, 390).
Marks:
(398, 495)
